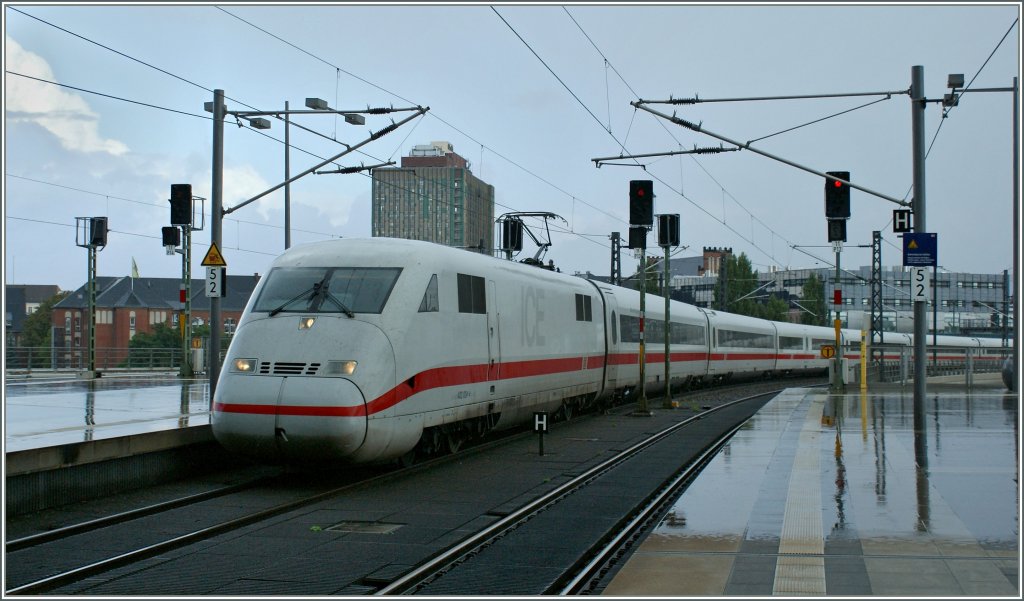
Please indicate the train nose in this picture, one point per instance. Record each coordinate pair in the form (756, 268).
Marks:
(290, 419)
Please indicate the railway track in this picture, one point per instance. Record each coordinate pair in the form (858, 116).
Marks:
(594, 555)
(82, 554)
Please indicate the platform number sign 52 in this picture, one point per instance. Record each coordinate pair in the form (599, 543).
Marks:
(920, 284)
(216, 279)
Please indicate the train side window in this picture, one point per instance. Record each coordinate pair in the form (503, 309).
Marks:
(584, 309)
(791, 343)
(429, 303)
(472, 298)
(615, 329)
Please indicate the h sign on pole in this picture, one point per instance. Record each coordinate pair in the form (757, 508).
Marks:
(901, 221)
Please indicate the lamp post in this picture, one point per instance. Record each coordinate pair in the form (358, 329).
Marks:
(218, 211)
(314, 106)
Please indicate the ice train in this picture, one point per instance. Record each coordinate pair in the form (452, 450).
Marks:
(372, 350)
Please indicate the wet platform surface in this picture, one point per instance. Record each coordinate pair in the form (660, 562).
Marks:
(824, 494)
(52, 412)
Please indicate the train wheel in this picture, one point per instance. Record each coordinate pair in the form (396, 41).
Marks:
(454, 440)
(567, 410)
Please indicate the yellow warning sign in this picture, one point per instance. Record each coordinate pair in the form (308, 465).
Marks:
(213, 258)
(912, 244)
(828, 351)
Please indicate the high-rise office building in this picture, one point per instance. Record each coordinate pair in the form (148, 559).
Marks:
(435, 197)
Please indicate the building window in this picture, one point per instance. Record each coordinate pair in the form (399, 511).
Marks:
(229, 325)
(131, 322)
(174, 320)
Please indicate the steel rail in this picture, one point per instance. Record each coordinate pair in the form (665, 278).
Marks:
(124, 516)
(435, 566)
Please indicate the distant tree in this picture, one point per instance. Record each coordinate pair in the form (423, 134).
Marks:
(775, 309)
(813, 298)
(737, 280)
(38, 327)
(162, 336)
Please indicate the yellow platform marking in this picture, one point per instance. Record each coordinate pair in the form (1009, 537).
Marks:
(800, 567)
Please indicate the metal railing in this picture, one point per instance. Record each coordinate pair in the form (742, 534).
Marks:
(20, 359)
(895, 363)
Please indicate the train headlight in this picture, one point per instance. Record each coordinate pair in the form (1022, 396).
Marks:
(244, 366)
(340, 368)
(306, 322)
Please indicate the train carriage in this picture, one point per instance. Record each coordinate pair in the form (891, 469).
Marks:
(740, 345)
(796, 352)
(381, 349)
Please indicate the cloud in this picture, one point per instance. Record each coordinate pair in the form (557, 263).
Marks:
(243, 182)
(65, 115)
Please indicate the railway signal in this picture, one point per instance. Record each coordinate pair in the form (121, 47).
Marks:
(181, 204)
(837, 204)
(641, 202)
(837, 195)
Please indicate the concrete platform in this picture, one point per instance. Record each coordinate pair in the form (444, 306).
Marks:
(52, 412)
(839, 495)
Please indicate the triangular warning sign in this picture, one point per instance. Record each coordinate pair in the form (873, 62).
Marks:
(911, 245)
(213, 258)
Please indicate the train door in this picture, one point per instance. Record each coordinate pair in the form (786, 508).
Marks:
(612, 334)
(493, 337)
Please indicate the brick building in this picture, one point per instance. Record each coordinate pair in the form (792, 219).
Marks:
(128, 306)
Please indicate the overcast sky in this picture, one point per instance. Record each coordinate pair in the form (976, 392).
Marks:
(529, 95)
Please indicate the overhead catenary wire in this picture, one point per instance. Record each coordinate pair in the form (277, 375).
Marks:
(945, 113)
(125, 55)
(433, 114)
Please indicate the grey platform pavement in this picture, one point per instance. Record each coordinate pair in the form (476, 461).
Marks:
(839, 494)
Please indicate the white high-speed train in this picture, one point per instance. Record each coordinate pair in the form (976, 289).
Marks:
(373, 350)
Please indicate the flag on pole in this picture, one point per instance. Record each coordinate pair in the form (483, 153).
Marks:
(135, 269)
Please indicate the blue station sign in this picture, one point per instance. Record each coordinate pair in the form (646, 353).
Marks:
(920, 249)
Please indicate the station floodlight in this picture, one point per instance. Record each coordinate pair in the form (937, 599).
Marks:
(317, 104)
(259, 123)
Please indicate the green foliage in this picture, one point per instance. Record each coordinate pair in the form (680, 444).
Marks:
(38, 327)
(775, 309)
(36, 337)
(813, 298)
(162, 336)
(737, 291)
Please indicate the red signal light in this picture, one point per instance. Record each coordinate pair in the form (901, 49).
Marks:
(837, 184)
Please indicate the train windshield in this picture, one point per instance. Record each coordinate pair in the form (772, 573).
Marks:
(327, 289)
